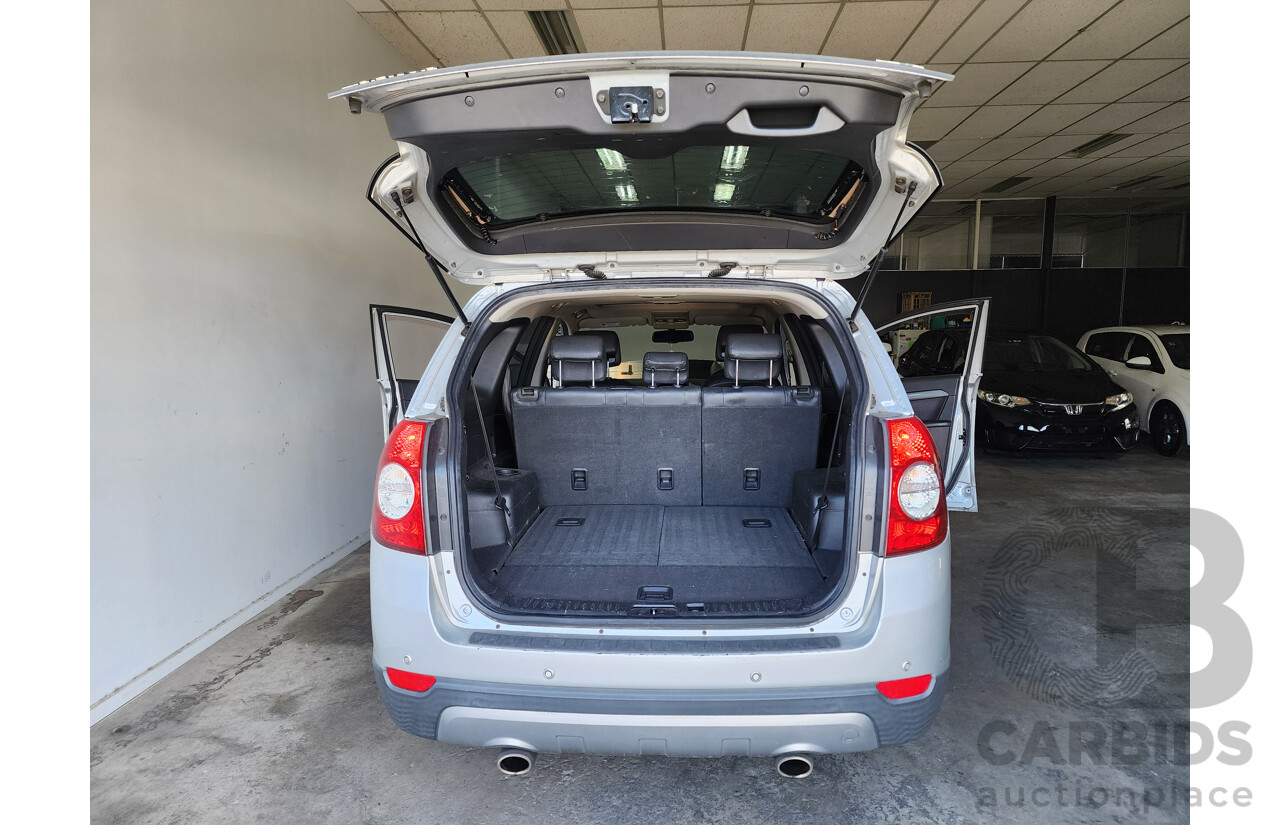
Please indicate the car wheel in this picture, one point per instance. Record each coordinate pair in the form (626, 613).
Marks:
(1168, 430)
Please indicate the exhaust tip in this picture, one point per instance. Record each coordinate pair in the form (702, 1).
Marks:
(515, 762)
(793, 765)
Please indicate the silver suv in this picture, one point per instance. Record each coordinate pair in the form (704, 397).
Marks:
(659, 490)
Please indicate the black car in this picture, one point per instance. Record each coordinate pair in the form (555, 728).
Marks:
(1037, 392)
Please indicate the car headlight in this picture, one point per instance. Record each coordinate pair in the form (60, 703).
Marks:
(1001, 399)
(1124, 399)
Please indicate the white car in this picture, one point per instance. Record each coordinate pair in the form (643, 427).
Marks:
(660, 489)
(1154, 364)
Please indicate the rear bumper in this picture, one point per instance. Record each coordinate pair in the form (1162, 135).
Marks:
(670, 723)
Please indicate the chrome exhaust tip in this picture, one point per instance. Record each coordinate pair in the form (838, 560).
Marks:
(515, 762)
(793, 765)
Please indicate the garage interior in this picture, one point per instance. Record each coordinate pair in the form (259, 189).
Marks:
(235, 416)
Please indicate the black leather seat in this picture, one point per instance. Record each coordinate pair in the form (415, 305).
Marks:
(661, 369)
(756, 432)
(590, 443)
(725, 331)
(612, 353)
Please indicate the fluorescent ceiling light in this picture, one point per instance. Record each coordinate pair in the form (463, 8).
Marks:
(627, 193)
(734, 158)
(1095, 144)
(557, 32)
(724, 192)
(612, 161)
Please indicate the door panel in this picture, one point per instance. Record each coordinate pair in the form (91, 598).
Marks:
(403, 342)
(938, 354)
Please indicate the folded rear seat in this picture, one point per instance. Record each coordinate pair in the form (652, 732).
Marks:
(756, 433)
(590, 443)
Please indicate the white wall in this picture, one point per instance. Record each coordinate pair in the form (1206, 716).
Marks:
(234, 418)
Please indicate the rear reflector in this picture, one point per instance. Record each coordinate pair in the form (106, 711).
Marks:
(903, 688)
(417, 682)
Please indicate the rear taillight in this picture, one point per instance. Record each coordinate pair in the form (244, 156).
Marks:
(917, 505)
(397, 501)
(417, 682)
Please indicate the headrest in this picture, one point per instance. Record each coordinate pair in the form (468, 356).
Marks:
(577, 360)
(753, 358)
(666, 368)
(732, 329)
(612, 346)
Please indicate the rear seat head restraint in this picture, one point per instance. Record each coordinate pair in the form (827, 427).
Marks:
(666, 369)
(753, 358)
(612, 345)
(732, 329)
(577, 360)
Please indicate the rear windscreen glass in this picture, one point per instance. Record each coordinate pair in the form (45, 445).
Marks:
(759, 179)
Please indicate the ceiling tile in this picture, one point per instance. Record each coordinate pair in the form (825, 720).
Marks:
(516, 33)
(972, 186)
(1048, 80)
(933, 31)
(1115, 117)
(456, 37)
(1002, 148)
(985, 21)
(794, 27)
(1126, 27)
(1010, 168)
(932, 123)
(1176, 42)
(962, 169)
(1052, 119)
(705, 2)
(367, 5)
(1117, 80)
(702, 28)
(947, 150)
(1051, 147)
(401, 39)
(619, 30)
(992, 121)
(612, 4)
(432, 5)
(1040, 28)
(1059, 166)
(1176, 85)
(1104, 166)
(874, 29)
(1173, 118)
(977, 83)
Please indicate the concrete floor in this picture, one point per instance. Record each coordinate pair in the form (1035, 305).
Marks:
(281, 721)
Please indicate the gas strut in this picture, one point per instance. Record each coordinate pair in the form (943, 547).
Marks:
(431, 262)
(874, 269)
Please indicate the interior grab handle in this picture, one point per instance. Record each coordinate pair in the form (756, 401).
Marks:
(826, 121)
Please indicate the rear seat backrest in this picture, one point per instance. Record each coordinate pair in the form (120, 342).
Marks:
(758, 435)
(608, 445)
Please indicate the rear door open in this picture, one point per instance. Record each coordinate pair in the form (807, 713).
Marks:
(938, 353)
(403, 342)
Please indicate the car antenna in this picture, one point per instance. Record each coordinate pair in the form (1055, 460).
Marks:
(874, 269)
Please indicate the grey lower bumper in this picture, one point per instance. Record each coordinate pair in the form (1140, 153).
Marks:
(672, 723)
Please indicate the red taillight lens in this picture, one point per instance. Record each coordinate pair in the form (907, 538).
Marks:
(917, 502)
(902, 688)
(417, 682)
(397, 503)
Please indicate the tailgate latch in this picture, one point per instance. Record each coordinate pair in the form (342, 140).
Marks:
(631, 104)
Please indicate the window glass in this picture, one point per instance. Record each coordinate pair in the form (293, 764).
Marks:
(1109, 345)
(1090, 232)
(556, 182)
(1033, 353)
(1178, 345)
(1142, 346)
(412, 341)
